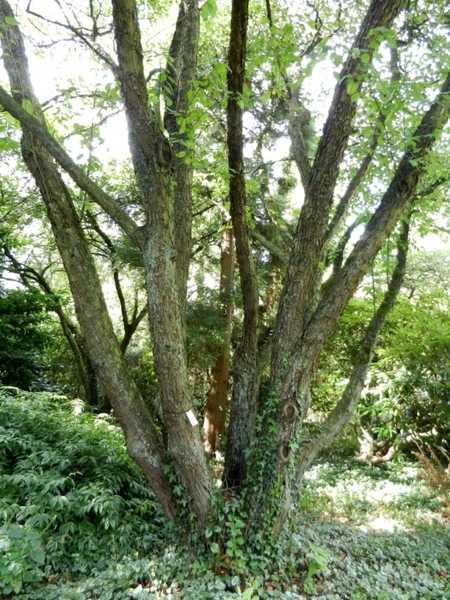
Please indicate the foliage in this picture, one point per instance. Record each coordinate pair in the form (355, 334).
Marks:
(83, 525)
(25, 338)
(68, 490)
(142, 367)
(435, 473)
(22, 554)
(407, 397)
(383, 531)
(407, 390)
(378, 119)
(204, 334)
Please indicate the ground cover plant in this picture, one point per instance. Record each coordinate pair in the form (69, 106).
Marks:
(82, 524)
(70, 499)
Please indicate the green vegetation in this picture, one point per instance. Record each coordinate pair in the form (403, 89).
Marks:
(71, 501)
(233, 290)
(26, 338)
(77, 521)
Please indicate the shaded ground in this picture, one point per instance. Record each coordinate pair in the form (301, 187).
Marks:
(384, 534)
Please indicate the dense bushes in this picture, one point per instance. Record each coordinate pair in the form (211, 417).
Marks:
(70, 498)
(77, 522)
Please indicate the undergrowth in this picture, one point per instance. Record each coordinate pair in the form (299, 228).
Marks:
(77, 521)
(71, 500)
(436, 472)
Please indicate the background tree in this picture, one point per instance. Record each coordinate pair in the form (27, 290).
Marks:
(26, 335)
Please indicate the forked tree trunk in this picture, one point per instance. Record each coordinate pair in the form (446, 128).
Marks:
(338, 418)
(152, 155)
(155, 167)
(217, 401)
(275, 461)
(305, 322)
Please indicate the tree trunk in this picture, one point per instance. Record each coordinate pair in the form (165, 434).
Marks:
(343, 411)
(245, 365)
(303, 324)
(153, 159)
(142, 438)
(217, 401)
(181, 71)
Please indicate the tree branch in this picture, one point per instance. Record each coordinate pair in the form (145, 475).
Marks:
(181, 71)
(94, 191)
(272, 248)
(298, 298)
(78, 33)
(396, 199)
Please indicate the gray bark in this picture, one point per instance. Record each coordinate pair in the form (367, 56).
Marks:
(344, 409)
(152, 156)
(297, 299)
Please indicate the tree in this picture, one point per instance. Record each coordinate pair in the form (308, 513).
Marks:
(25, 338)
(406, 400)
(375, 114)
(216, 404)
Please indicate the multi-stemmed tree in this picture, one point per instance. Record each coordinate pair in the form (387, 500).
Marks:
(390, 104)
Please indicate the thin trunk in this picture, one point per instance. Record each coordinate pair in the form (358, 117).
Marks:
(181, 70)
(129, 324)
(245, 380)
(216, 404)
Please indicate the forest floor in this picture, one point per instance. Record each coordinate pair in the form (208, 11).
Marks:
(384, 534)
(77, 522)
(367, 534)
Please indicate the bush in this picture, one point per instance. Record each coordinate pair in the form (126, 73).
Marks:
(436, 472)
(71, 500)
(24, 337)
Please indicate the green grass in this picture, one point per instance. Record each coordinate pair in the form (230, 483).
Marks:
(77, 521)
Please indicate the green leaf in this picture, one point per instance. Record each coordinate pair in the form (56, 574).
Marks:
(28, 106)
(352, 86)
(11, 21)
(38, 556)
(10, 119)
(209, 9)
(14, 532)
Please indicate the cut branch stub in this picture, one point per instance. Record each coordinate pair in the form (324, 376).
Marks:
(284, 452)
(290, 411)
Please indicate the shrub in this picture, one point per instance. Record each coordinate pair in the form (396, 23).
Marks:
(71, 499)
(435, 473)
(24, 337)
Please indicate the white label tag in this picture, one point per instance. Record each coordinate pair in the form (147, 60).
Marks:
(192, 420)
